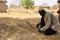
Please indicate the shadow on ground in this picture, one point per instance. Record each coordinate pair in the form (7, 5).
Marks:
(17, 29)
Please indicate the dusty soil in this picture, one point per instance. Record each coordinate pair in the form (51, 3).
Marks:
(18, 29)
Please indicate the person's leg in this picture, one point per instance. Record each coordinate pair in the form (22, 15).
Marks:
(49, 31)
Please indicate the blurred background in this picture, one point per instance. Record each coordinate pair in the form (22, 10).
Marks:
(18, 19)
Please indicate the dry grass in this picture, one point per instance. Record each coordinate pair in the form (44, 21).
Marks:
(17, 29)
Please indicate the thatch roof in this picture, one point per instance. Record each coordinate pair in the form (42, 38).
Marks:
(3, 0)
(44, 5)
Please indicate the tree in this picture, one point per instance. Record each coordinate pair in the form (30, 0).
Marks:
(27, 3)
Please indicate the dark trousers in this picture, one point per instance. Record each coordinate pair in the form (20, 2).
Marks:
(49, 31)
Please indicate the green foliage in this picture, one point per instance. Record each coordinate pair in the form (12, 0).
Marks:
(28, 3)
(23, 2)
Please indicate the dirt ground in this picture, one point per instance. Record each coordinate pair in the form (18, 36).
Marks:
(21, 25)
(18, 29)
